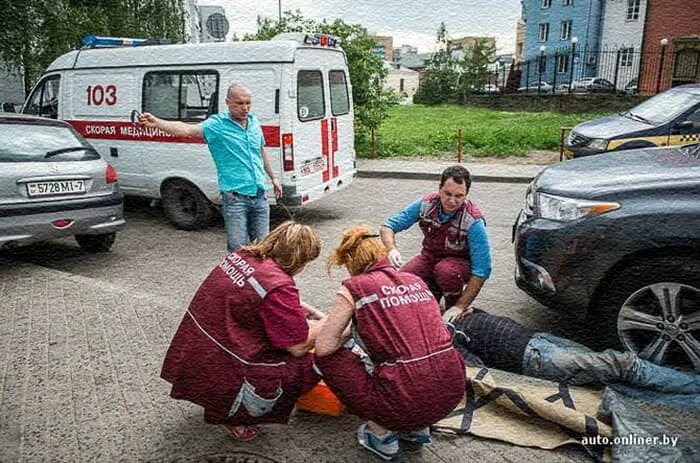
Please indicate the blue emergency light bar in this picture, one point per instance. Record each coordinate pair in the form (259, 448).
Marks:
(95, 41)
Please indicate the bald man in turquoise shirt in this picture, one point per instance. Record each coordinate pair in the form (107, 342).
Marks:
(237, 146)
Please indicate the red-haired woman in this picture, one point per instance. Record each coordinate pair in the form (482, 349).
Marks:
(412, 377)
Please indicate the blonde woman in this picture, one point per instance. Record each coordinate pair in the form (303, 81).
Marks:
(242, 348)
(412, 376)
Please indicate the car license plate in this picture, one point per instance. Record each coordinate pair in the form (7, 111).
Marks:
(57, 187)
(314, 166)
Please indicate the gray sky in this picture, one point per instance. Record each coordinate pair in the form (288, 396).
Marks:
(412, 22)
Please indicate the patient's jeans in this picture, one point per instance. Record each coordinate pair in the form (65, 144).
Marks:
(557, 359)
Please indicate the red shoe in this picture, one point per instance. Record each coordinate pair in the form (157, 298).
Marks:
(243, 433)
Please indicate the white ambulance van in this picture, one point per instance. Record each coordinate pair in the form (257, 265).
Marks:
(301, 94)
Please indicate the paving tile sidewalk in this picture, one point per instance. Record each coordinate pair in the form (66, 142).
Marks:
(431, 170)
(79, 372)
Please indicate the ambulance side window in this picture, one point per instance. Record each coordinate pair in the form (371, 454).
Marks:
(188, 96)
(311, 104)
(340, 103)
(44, 100)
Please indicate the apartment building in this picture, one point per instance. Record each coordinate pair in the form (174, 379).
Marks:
(552, 29)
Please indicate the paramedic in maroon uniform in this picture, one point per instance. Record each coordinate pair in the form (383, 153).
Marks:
(455, 243)
(411, 376)
(242, 348)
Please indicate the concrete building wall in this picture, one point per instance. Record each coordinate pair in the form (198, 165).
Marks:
(621, 41)
(520, 41)
(384, 47)
(193, 25)
(404, 82)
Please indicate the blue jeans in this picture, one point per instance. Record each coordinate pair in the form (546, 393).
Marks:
(246, 218)
(557, 359)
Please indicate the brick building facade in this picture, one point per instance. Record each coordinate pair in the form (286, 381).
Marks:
(678, 22)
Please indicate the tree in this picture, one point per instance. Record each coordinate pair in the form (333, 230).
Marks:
(367, 74)
(474, 67)
(439, 80)
(41, 30)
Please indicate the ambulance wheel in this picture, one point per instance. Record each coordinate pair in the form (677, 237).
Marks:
(185, 206)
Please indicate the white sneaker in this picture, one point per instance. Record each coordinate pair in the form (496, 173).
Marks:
(385, 447)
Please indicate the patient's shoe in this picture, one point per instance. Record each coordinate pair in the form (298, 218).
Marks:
(385, 447)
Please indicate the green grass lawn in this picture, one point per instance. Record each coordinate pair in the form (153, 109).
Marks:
(418, 130)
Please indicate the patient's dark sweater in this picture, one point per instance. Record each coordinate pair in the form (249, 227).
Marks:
(498, 341)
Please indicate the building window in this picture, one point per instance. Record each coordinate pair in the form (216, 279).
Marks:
(544, 32)
(567, 2)
(565, 30)
(563, 64)
(633, 9)
(626, 57)
(546, 3)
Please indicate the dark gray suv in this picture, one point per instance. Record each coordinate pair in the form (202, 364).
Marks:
(618, 236)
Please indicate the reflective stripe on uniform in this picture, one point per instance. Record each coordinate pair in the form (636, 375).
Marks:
(257, 287)
(417, 359)
(366, 300)
(230, 352)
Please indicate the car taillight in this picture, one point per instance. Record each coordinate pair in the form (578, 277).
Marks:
(288, 152)
(111, 175)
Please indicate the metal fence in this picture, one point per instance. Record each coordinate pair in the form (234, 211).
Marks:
(608, 70)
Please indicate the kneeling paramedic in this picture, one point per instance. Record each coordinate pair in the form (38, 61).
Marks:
(455, 243)
(242, 348)
(411, 376)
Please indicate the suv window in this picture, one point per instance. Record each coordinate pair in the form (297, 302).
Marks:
(44, 100)
(181, 95)
(340, 103)
(311, 104)
(31, 142)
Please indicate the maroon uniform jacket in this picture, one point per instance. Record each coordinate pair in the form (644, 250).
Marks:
(220, 357)
(448, 239)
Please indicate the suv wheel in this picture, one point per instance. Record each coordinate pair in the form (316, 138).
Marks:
(185, 206)
(653, 308)
(96, 243)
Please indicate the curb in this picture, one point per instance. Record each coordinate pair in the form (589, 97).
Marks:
(436, 176)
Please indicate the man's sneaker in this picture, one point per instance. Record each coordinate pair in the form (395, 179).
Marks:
(417, 437)
(385, 447)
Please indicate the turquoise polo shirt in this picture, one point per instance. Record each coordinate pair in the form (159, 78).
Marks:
(237, 153)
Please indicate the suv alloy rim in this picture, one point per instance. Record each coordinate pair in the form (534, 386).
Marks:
(659, 320)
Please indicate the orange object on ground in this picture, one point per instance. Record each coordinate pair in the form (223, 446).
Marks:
(321, 400)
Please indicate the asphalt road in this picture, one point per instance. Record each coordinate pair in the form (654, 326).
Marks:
(151, 257)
